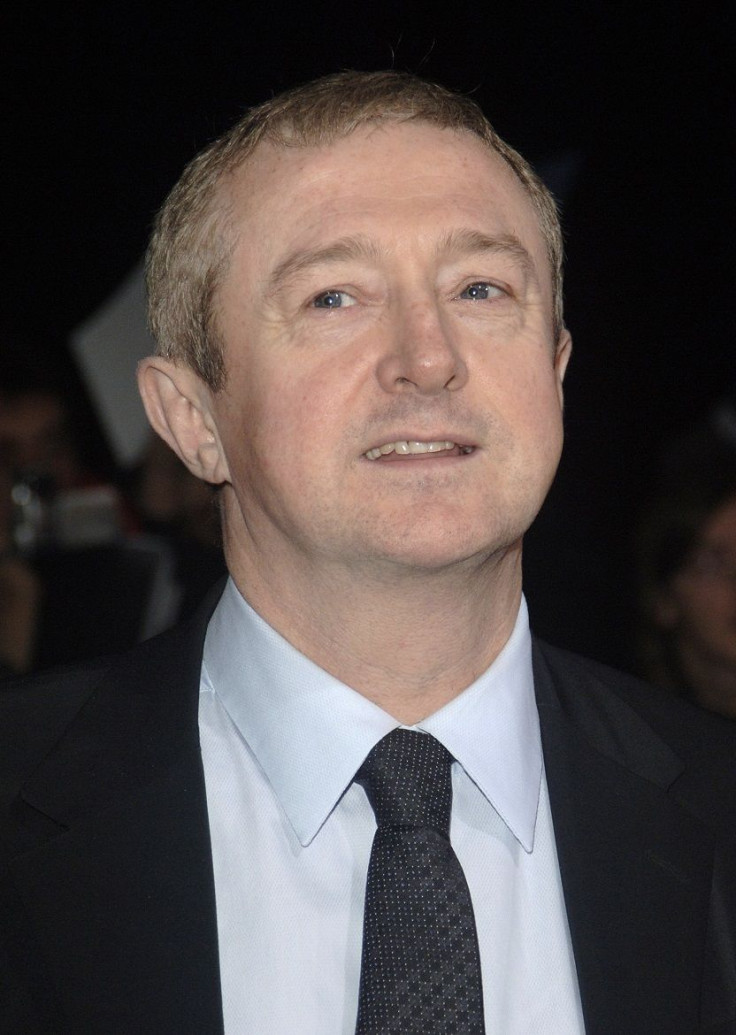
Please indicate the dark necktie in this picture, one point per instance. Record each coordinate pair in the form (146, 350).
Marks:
(420, 970)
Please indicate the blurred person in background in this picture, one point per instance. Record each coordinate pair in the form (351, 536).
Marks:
(181, 510)
(94, 558)
(40, 456)
(46, 422)
(75, 577)
(50, 440)
(687, 567)
(19, 593)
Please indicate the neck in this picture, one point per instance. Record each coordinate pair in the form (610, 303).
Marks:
(411, 642)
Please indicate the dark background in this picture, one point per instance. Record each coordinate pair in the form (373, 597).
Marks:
(628, 112)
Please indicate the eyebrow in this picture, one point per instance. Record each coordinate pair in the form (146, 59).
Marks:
(464, 242)
(342, 250)
(460, 242)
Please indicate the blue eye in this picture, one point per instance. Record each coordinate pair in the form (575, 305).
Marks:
(481, 291)
(333, 300)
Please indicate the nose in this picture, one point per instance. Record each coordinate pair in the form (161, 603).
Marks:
(421, 355)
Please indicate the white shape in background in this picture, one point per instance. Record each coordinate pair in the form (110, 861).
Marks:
(107, 347)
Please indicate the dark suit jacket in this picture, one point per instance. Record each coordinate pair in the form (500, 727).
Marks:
(107, 906)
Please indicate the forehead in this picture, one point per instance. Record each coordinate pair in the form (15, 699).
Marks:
(401, 176)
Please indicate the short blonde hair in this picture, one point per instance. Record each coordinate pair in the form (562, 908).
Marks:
(192, 240)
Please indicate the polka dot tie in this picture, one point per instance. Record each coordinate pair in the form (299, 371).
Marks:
(420, 970)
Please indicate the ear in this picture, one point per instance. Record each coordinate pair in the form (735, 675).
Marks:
(179, 407)
(563, 351)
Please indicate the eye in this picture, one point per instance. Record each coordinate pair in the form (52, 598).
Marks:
(480, 291)
(333, 300)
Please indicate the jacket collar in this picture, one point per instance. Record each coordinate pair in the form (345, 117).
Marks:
(635, 861)
(110, 848)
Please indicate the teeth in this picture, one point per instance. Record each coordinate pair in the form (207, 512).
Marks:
(403, 448)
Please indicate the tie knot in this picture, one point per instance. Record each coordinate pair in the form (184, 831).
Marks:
(407, 779)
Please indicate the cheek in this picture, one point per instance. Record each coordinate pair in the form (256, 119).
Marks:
(295, 397)
(707, 613)
(529, 404)
(284, 439)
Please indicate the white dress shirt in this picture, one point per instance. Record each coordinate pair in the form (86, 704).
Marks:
(291, 834)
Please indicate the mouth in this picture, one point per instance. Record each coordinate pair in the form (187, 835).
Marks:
(416, 449)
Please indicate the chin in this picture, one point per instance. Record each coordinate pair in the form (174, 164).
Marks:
(448, 550)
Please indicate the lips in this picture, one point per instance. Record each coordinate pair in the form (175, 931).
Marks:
(405, 448)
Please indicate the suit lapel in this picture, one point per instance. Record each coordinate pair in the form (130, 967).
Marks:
(634, 863)
(112, 849)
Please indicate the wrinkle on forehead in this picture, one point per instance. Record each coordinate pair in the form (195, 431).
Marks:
(285, 198)
(312, 168)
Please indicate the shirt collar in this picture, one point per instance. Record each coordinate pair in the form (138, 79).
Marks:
(310, 733)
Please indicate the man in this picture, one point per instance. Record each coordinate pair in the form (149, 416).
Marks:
(356, 296)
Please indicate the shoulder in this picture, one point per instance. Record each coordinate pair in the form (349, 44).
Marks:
(100, 698)
(35, 711)
(644, 729)
(579, 679)
(53, 697)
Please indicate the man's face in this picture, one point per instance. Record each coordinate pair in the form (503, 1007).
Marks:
(391, 288)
